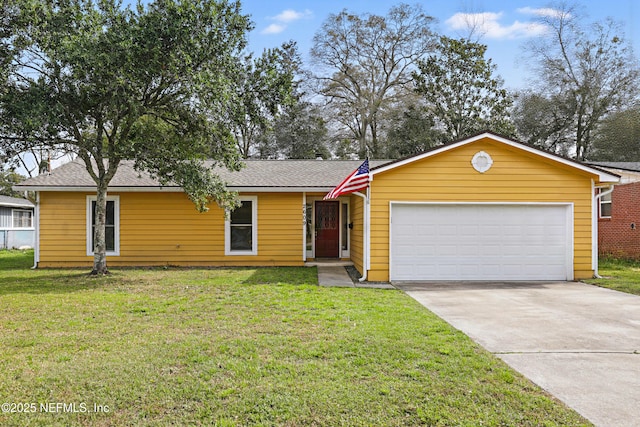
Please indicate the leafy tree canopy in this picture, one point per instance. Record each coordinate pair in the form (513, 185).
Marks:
(461, 91)
(618, 139)
(364, 65)
(7, 180)
(583, 72)
(148, 83)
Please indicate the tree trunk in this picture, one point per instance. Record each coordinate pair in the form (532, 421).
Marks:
(99, 238)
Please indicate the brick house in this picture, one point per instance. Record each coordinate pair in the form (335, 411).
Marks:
(619, 212)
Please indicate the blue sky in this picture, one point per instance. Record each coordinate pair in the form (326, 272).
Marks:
(508, 23)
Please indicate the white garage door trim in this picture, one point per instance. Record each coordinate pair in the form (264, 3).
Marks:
(566, 271)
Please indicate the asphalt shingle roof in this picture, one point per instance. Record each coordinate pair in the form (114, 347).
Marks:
(15, 201)
(293, 174)
(627, 166)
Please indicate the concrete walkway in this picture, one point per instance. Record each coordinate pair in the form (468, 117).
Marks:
(337, 276)
(579, 342)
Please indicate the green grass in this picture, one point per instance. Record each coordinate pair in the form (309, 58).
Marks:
(618, 274)
(243, 347)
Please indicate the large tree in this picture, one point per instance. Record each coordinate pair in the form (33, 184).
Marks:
(8, 179)
(618, 139)
(149, 83)
(461, 90)
(413, 131)
(584, 72)
(364, 63)
(544, 121)
(302, 132)
(265, 86)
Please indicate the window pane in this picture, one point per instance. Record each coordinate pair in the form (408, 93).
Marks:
(345, 226)
(111, 217)
(22, 219)
(110, 227)
(605, 209)
(241, 238)
(110, 238)
(242, 215)
(111, 209)
(309, 224)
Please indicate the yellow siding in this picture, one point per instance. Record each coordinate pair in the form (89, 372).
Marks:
(166, 229)
(516, 176)
(357, 218)
(63, 228)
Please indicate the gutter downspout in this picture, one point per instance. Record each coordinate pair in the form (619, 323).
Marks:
(365, 235)
(596, 203)
(36, 252)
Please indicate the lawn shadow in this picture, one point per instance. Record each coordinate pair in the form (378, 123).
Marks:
(51, 282)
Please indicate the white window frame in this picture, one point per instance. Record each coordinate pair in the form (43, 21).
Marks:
(345, 253)
(605, 202)
(13, 219)
(89, 221)
(254, 229)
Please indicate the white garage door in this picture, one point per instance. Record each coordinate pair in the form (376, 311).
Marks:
(481, 242)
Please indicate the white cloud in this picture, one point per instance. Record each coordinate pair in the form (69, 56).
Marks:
(285, 17)
(488, 25)
(274, 29)
(291, 15)
(541, 12)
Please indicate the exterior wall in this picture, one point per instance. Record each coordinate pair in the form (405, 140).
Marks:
(15, 239)
(6, 220)
(166, 229)
(619, 235)
(516, 176)
(10, 237)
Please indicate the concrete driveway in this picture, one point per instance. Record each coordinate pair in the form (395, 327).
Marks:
(579, 342)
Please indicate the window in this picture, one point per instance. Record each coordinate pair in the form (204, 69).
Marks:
(22, 218)
(241, 228)
(308, 213)
(605, 206)
(345, 227)
(112, 226)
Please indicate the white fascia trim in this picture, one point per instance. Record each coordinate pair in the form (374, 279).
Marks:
(280, 189)
(507, 203)
(602, 176)
(17, 205)
(180, 190)
(110, 189)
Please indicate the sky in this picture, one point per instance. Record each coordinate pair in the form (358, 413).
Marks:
(509, 24)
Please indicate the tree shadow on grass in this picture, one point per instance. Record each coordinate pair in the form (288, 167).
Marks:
(21, 282)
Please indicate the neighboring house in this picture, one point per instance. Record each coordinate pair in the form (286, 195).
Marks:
(619, 212)
(483, 208)
(16, 223)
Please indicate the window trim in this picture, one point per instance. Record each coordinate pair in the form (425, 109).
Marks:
(13, 219)
(116, 220)
(254, 229)
(605, 202)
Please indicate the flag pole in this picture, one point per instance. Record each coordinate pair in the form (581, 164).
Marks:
(357, 181)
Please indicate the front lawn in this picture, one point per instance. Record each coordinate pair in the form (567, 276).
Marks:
(242, 347)
(620, 275)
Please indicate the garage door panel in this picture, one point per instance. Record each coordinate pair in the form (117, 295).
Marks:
(480, 242)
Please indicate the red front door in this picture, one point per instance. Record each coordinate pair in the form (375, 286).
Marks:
(327, 229)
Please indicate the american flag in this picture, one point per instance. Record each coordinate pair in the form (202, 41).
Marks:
(356, 181)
